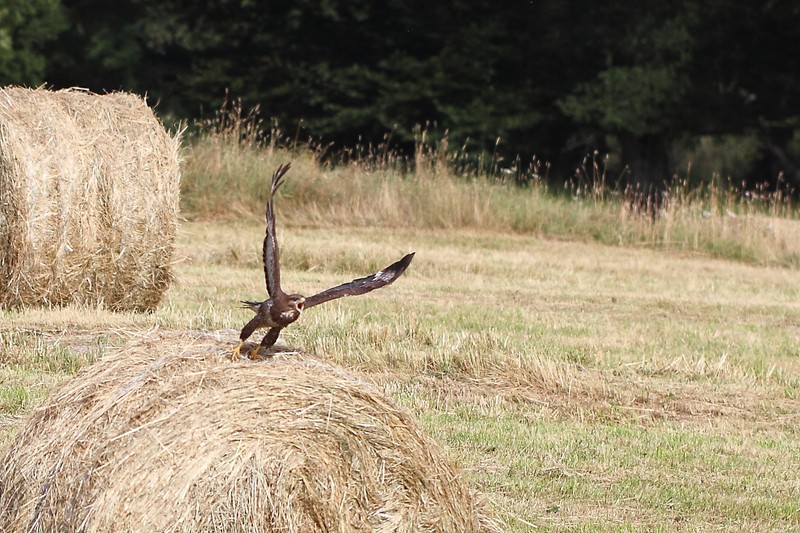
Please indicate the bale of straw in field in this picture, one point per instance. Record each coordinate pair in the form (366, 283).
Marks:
(159, 439)
(88, 200)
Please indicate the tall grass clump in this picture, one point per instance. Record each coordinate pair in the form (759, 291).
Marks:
(715, 218)
(230, 158)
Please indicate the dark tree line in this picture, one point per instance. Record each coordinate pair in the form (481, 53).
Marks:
(551, 78)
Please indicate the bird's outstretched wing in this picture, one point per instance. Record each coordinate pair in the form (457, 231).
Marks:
(362, 285)
(269, 252)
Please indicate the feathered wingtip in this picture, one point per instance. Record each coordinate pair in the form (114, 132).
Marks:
(393, 271)
(277, 178)
(401, 265)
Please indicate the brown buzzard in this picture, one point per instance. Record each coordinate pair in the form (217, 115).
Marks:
(281, 309)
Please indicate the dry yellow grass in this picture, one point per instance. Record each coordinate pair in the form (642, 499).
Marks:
(564, 376)
(228, 163)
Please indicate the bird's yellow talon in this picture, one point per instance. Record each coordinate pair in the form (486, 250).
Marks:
(236, 353)
(255, 353)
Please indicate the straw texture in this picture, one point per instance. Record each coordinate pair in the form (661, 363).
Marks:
(158, 439)
(89, 190)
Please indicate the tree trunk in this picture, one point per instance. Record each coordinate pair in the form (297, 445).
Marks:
(780, 162)
(646, 159)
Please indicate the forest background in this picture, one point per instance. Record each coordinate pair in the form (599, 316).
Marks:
(679, 88)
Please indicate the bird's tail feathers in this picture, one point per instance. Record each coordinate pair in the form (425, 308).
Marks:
(253, 306)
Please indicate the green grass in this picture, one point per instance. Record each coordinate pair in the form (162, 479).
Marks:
(598, 476)
(32, 362)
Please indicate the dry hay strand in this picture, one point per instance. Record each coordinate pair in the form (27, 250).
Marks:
(156, 439)
(89, 189)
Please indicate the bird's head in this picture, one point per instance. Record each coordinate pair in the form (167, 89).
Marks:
(296, 304)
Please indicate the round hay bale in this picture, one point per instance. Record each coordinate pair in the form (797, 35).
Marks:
(143, 441)
(88, 200)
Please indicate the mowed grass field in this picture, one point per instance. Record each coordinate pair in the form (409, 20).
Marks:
(579, 386)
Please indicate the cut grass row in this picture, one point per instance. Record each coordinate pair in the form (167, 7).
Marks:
(581, 387)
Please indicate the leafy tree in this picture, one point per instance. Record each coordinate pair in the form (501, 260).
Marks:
(348, 70)
(747, 82)
(102, 50)
(26, 29)
(684, 67)
(640, 93)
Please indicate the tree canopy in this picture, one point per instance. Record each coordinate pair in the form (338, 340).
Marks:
(549, 78)
(27, 27)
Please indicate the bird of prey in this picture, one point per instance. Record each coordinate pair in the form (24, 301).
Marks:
(281, 309)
